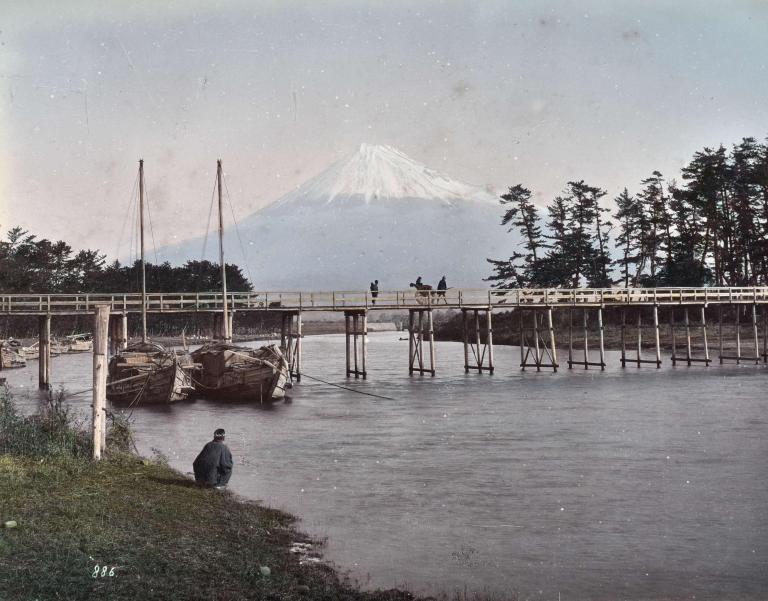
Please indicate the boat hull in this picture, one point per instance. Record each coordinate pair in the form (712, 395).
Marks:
(147, 378)
(234, 373)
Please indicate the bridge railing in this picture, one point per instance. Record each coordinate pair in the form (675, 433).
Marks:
(390, 299)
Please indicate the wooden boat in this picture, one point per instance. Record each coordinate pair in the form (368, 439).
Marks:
(231, 372)
(10, 356)
(79, 343)
(234, 372)
(147, 373)
(33, 351)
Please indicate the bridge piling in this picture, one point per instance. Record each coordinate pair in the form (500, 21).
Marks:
(533, 346)
(290, 341)
(482, 354)
(585, 333)
(356, 327)
(100, 343)
(44, 352)
(416, 341)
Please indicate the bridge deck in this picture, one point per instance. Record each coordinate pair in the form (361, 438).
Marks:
(73, 304)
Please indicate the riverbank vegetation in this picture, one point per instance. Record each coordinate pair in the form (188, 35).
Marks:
(128, 528)
(709, 229)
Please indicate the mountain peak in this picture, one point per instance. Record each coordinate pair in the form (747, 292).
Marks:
(380, 172)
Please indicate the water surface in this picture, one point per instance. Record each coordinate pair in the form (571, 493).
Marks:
(627, 484)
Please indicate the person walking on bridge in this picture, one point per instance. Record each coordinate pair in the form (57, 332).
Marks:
(374, 291)
(213, 466)
(441, 288)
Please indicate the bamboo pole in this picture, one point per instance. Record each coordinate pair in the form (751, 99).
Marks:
(100, 343)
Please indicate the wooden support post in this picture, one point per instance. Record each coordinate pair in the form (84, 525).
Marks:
(536, 339)
(465, 335)
(100, 335)
(421, 342)
(623, 337)
(738, 334)
(478, 354)
(586, 338)
(355, 330)
(552, 338)
(231, 326)
(601, 330)
(757, 338)
(123, 342)
(364, 333)
(489, 339)
(431, 342)
(765, 334)
(657, 335)
(44, 352)
(349, 349)
(687, 336)
(570, 338)
(704, 334)
(410, 343)
(297, 350)
(522, 341)
(720, 330)
(639, 337)
(674, 341)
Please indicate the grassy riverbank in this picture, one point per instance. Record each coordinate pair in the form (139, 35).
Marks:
(131, 528)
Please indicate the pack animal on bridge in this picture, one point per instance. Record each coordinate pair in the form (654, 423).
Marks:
(422, 291)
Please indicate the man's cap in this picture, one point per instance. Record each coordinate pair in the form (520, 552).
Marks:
(219, 433)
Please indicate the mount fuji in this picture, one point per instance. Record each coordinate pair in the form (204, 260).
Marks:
(377, 214)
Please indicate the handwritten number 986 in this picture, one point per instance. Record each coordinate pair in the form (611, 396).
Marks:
(101, 571)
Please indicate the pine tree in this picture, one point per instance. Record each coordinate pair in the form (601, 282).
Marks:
(629, 215)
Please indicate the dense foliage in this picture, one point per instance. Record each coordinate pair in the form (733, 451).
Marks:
(29, 264)
(711, 229)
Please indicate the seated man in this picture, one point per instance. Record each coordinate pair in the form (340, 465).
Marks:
(213, 466)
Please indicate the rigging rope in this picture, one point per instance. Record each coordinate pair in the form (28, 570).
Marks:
(237, 231)
(127, 216)
(378, 396)
(151, 228)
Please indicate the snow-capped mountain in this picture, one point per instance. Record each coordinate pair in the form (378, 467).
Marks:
(377, 214)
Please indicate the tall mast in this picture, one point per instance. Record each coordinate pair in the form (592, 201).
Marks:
(225, 314)
(143, 269)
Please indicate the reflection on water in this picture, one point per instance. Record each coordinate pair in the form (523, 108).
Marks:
(636, 484)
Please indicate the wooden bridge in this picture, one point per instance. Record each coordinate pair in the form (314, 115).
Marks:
(683, 308)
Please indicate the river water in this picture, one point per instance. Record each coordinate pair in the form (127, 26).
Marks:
(627, 484)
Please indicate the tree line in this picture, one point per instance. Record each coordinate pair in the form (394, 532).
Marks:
(37, 265)
(709, 229)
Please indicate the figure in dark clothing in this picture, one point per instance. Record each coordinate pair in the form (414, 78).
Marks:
(418, 282)
(213, 466)
(441, 288)
(374, 291)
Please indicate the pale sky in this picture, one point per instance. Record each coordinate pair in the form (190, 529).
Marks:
(494, 93)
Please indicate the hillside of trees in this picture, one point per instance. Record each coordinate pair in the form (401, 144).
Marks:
(709, 229)
(30, 265)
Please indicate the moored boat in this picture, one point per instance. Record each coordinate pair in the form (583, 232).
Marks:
(147, 373)
(79, 343)
(231, 372)
(10, 356)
